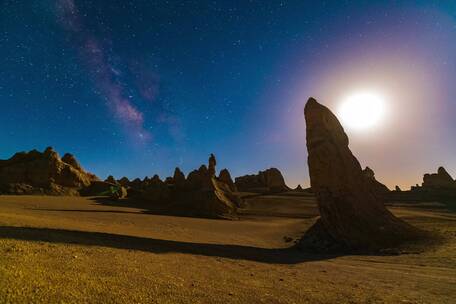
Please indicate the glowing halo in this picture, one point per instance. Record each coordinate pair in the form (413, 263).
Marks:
(362, 111)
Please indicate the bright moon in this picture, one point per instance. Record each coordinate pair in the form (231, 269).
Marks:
(362, 111)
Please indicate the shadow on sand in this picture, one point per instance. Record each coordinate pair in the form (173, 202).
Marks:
(166, 208)
(86, 210)
(158, 246)
(143, 206)
(171, 209)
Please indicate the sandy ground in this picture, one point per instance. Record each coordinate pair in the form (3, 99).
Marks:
(78, 250)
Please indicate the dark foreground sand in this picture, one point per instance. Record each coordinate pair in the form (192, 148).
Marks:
(79, 250)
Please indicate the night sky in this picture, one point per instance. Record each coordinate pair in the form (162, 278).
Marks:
(134, 88)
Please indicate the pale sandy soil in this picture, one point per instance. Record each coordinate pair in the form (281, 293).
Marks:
(75, 250)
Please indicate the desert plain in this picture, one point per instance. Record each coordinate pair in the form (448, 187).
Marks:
(57, 249)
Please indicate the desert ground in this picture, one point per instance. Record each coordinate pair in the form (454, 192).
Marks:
(86, 250)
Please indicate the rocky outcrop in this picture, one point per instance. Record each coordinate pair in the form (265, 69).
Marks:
(440, 180)
(378, 187)
(124, 181)
(110, 179)
(43, 173)
(352, 216)
(72, 161)
(212, 163)
(157, 191)
(268, 181)
(178, 177)
(298, 188)
(137, 184)
(200, 194)
(439, 187)
(225, 177)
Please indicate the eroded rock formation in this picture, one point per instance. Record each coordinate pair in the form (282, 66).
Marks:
(124, 181)
(72, 161)
(178, 177)
(352, 216)
(45, 172)
(225, 177)
(200, 194)
(439, 187)
(212, 163)
(157, 191)
(299, 188)
(268, 181)
(111, 179)
(440, 180)
(378, 187)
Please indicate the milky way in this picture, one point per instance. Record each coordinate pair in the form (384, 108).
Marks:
(104, 74)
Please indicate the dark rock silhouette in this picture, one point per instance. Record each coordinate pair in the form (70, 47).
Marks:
(178, 177)
(299, 188)
(155, 179)
(112, 180)
(124, 181)
(212, 163)
(43, 173)
(352, 216)
(439, 187)
(136, 184)
(398, 189)
(225, 177)
(439, 180)
(157, 191)
(375, 184)
(268, 181)
(200, 194)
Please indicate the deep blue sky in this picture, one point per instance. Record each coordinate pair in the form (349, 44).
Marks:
(134, 88)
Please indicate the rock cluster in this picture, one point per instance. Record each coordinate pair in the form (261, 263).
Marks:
(438, 186)
(45, 172)
(111, 180)
(268, 181)
(202, 193)
(352, 216)
(225, 177)
(440, 180)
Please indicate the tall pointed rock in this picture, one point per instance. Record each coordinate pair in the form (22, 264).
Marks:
(352, 216)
